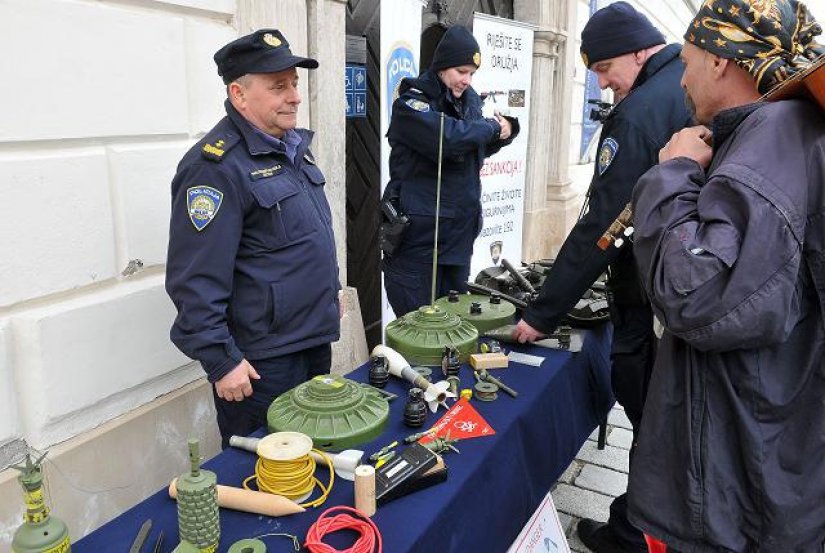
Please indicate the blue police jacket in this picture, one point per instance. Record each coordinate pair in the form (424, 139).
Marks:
(251, 265)
(414, 137)
(637, 128)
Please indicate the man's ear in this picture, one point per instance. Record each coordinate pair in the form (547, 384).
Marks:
(720, 66)
(236, 92)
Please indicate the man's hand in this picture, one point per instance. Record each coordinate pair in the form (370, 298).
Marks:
(690, 143)
(506, 126)
(526, 333)
(235, 385)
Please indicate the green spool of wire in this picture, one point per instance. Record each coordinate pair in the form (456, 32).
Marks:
(248, 546)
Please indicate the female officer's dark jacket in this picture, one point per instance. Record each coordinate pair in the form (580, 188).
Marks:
(637, 128)
(251, 267)
(414, 137)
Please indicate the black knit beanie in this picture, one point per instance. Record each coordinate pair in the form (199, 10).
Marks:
(457, 47)
(615, 30)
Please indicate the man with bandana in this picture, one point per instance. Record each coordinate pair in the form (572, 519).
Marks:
(629, 56)
(730, 244)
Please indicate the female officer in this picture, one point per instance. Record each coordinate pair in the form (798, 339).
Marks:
(414, 137)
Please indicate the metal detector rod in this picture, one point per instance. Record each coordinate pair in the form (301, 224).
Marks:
(437, 207)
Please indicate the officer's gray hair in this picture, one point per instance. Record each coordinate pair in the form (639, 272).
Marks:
(244, 80)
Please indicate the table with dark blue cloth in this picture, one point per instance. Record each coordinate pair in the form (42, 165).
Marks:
(494, 484)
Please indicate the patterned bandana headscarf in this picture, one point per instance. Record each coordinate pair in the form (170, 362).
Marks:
(770, 39)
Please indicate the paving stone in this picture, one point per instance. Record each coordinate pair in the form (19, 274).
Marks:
(581, 503)
(566, 522)
(610, 457)
(602, 480)
(594, 436)
(576, 545)
(618, 417)
(571, 473)
(620, 437)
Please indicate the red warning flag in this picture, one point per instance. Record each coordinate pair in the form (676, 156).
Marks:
(462, 421)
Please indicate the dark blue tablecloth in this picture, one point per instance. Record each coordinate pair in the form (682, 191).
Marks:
(494, 484)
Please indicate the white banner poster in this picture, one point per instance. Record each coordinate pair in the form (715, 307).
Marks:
(504, 80)
(400, 46)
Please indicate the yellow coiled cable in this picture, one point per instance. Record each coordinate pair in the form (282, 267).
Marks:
(292, 479)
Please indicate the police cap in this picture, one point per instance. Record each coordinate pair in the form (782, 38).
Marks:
(264, 51)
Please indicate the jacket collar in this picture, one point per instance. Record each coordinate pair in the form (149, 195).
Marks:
(434, 89)
(259, 145)
(727, 121)
(653, 65)
(656, 62)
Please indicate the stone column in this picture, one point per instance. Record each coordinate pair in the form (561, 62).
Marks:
(316, 28)
(551, 205)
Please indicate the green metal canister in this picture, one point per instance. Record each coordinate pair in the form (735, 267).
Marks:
(198, 521)
(483, 312)
(420, 336)
(40, 532)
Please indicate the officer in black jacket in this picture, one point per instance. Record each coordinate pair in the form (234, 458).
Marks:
(628, 55)
(444, 89)
(251, 266)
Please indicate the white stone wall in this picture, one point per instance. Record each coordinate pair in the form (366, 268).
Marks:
(101, 99)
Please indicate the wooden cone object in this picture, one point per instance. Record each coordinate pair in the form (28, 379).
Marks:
(250, 501)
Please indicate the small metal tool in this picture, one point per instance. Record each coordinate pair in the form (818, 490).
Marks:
(142, 534)
(484, 376)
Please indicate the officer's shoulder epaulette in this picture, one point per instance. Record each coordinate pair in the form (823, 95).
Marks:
(215, 147)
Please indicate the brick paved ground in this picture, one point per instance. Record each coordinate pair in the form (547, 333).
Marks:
(595, 477)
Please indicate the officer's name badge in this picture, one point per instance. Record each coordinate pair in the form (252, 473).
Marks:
(203, 203)
(266, 172)
(418, 105)
(607, 153)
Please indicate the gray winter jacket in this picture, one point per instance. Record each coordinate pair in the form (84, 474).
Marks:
(731, 453)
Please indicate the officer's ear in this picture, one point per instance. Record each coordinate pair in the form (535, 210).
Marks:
(235, 92)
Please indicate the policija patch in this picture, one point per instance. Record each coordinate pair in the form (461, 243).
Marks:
(418, 105)
(607, 154)
(202, 204)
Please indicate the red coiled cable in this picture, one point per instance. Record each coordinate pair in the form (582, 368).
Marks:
(369, 540)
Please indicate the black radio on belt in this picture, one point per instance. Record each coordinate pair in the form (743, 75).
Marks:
(392, 227)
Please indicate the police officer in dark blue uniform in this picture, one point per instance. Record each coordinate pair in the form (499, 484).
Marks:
(444, 89)
(628, 55)
(251, 267)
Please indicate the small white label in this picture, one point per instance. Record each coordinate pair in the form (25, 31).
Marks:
(397, 468)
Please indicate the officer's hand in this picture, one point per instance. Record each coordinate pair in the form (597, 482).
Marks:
(526, 333)
(506, 126)
(690, 143)
(235, 385)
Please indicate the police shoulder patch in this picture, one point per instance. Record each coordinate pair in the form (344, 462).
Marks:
(607, 153)
(202, 204)
(418, 105)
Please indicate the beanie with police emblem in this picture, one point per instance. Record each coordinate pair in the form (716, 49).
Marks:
(457, 47)
(616, 30)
